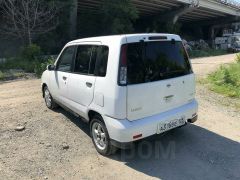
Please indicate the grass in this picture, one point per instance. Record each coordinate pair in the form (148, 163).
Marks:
(206, 53)
(226, 80)
(24, 66)
(8, 75)
(29, 60)
(2, 75)
(17, 63)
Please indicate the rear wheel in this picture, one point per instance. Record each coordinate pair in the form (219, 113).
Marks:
(48, 99)
(100, 137)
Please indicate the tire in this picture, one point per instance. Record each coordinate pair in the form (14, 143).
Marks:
(49, 101)
(100, 137)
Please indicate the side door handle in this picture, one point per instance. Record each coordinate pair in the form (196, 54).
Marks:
(168, 97)
(64, 78)
(88, 84)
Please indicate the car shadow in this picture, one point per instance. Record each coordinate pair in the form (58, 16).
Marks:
(74, 119)
(190, 152)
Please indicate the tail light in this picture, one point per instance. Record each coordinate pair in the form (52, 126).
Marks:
(123, 66)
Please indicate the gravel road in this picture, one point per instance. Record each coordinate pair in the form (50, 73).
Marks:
(56, 145)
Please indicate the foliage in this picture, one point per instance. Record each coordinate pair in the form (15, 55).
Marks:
(52, 42)
(238, 58)
(29, 60)
(31, 52)
(18, 63)
(226, 80)
(2, 76)
(41, 67)
(10, 75)
(35, 66)
(114, 17)
(89, 25)
(119, 16)
(26, 60)
(206, 53)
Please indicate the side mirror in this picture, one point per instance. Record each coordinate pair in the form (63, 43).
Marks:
(50, 67)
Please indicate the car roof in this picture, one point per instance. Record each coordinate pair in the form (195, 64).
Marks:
(120, 37)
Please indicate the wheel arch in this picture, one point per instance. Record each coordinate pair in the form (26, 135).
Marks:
(93, 113)
(43, 86)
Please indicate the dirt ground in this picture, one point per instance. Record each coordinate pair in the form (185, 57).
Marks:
(56, 145)
(203, 66)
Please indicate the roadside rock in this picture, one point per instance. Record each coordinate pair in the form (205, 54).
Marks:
(48, 145)
(19, 128)
(65, 147)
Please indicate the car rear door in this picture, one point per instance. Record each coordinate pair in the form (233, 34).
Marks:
(159, 78)
(82, 80)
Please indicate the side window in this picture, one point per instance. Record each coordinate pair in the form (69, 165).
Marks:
(85, 59)
(65, 61)
(93, 60)
(102, 60)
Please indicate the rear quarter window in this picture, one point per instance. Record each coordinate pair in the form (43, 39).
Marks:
(102, 61)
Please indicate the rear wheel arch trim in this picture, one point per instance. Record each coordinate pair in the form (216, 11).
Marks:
(92, 113)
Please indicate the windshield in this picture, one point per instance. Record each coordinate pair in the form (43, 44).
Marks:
(154, 61)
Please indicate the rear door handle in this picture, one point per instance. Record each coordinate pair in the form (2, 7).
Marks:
(64, 78)
(88, 84)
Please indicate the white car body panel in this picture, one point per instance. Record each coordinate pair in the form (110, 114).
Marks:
(124, 130)
(156, 97)
(58, 86)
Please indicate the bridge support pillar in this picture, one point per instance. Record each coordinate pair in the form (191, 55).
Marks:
(212, 36)
(175, 15)
(73, 19)
(186, 9)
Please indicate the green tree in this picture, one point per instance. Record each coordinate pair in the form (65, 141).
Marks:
(118, 16)
(52, 42)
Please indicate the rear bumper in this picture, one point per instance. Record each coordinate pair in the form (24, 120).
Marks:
(122, 131)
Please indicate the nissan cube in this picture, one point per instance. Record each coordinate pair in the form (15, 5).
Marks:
(127, 87)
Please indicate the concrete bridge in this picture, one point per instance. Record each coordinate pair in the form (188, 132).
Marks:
(186, 10)
(205, 12)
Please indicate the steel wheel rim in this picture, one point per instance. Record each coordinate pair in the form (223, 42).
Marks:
(99, 135)
(48, 98)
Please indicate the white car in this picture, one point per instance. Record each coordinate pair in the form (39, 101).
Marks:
(127, 87)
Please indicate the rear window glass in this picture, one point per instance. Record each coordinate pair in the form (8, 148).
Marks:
(154, 61)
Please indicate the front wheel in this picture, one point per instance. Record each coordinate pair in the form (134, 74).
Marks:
(100, 137)
(48, 99)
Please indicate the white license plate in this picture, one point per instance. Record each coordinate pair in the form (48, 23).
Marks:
(162, 127)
